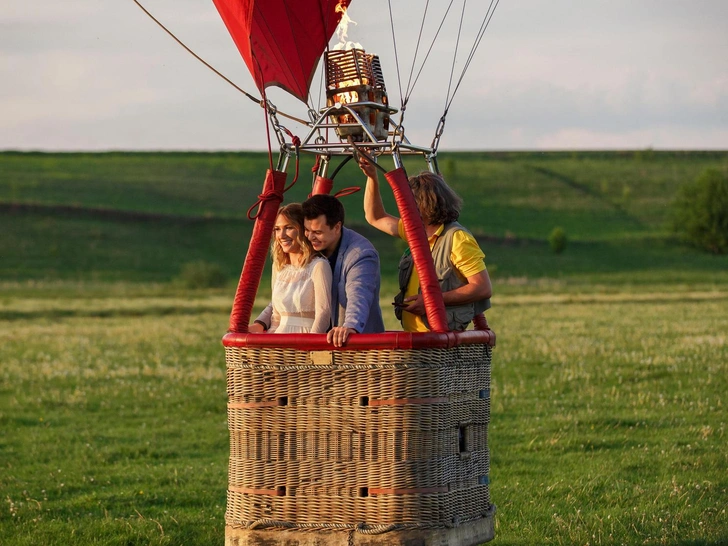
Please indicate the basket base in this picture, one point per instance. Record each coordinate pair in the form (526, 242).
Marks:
(468, 534)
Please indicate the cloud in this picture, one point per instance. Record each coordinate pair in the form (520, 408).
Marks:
(85, 74)
(667, 137)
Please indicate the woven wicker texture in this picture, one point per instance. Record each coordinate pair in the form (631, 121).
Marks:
(379, 437)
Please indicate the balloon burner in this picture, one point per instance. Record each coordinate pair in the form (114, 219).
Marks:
(355, 89)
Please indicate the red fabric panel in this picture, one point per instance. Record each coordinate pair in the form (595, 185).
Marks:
(281, 41)
(414, 230)
(270, 200)
(322, 185)
(363, 342)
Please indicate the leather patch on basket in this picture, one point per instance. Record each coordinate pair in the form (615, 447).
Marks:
(321, 357)
(277, 492)
(405, 401)
(262, 404)
(416, 491)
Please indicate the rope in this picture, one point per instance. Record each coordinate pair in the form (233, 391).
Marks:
(266, 196)
(251, 97)
(273, 194)
(260, 102)
(267, 133)
(347, 191)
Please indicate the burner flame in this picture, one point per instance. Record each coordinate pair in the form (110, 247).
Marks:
(342, 31)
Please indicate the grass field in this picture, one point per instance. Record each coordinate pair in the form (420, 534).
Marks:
(609, 378)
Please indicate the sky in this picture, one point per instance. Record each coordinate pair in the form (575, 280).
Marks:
(548, 75)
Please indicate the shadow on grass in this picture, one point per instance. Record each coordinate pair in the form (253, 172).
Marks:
(722, 541)
(586, 190)
(158, 311)
(523, 257)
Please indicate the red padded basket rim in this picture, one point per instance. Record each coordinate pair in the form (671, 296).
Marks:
(361, 342)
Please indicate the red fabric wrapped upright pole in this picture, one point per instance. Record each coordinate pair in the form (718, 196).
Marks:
(269, 202)
(414, 230)
(321, 185)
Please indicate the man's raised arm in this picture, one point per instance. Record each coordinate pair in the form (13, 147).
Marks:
(373, 206)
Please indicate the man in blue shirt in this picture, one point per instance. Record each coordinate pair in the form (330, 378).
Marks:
(355, 267)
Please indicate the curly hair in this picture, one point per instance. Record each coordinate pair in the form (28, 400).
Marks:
(294, 214)
(437, 202)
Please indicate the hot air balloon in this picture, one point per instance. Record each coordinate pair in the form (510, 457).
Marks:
(384, 440)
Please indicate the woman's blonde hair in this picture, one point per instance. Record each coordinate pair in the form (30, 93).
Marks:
(437, 202)
(294, 214)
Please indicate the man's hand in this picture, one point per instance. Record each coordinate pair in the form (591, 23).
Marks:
(338, 335)
(256, 328)
(369, 170)
(414, 305)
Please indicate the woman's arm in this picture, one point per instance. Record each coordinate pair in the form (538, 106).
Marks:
(264, 321)
(321, 276)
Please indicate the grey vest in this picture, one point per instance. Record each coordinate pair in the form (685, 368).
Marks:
(458, 316)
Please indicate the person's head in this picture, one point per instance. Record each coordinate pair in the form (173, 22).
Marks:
(288, 236)
(436, 201)
(323, 221)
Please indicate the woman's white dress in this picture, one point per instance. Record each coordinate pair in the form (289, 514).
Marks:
(302, 298)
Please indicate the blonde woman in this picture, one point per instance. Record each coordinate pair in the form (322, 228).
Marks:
(301, 281)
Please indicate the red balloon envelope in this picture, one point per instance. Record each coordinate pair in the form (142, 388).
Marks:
(281, 41)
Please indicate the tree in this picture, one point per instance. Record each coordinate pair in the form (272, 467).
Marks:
(700, 211)
(557, 240)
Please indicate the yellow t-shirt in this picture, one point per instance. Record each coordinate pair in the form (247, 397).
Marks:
(466, 257)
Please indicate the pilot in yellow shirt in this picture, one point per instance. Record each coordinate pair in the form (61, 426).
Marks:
(466, 257)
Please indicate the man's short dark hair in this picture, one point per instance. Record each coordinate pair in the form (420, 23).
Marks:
(325, 204)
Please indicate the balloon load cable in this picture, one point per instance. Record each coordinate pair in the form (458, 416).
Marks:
(255, 99)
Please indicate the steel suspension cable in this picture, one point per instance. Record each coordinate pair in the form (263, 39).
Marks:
(417, 49)
(476, 43)
(396, 55)
(454, 57)
(427, 55)
(321, 79)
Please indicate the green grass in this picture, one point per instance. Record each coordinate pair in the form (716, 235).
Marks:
(48, 245)
(114, 429)
(608, 417)
(525, 194)
(142, 216)
(609, 421)
(42, 245)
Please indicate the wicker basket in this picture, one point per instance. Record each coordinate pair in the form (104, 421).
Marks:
(373, 438)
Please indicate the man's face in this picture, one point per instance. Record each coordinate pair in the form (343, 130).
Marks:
(323, 238)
